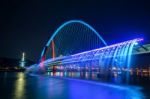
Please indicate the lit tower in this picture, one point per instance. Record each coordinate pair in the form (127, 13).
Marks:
(22, 61)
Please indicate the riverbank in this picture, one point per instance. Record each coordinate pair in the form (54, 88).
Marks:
(12, 70)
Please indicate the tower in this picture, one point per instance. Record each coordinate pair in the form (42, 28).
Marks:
(22, 61)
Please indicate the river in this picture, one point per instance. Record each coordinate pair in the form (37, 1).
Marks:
(19, 85)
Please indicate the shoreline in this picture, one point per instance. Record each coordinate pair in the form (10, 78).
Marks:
(12, 70)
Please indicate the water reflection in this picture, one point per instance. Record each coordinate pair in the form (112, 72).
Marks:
(114, 77)
(19, 91)
(70, 88)
(102, 91)
(5, 77)
(82, 75)
(34, 86)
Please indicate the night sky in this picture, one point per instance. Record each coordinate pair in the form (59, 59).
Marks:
(26, 25)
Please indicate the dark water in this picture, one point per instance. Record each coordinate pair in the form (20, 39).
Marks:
(25, 86)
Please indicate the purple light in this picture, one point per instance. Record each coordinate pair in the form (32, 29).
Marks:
(111, 46)
(104, 52)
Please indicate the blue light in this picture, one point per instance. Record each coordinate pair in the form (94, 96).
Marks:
(136, 43)
(67, 23)
(120, 52)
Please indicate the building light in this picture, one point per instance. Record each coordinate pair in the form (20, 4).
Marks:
(22, 61)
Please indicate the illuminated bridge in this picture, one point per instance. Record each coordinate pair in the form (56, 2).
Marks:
(116, 51)
(76, 44)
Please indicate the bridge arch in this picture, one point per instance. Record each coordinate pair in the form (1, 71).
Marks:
(65, 24)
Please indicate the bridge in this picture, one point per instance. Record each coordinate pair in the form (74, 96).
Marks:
(112, 51)
(76, 44)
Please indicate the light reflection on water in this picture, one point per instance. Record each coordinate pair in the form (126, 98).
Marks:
(19, 91)
(45, 87)
(126, 92)
(104, 91)
(113, 77)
